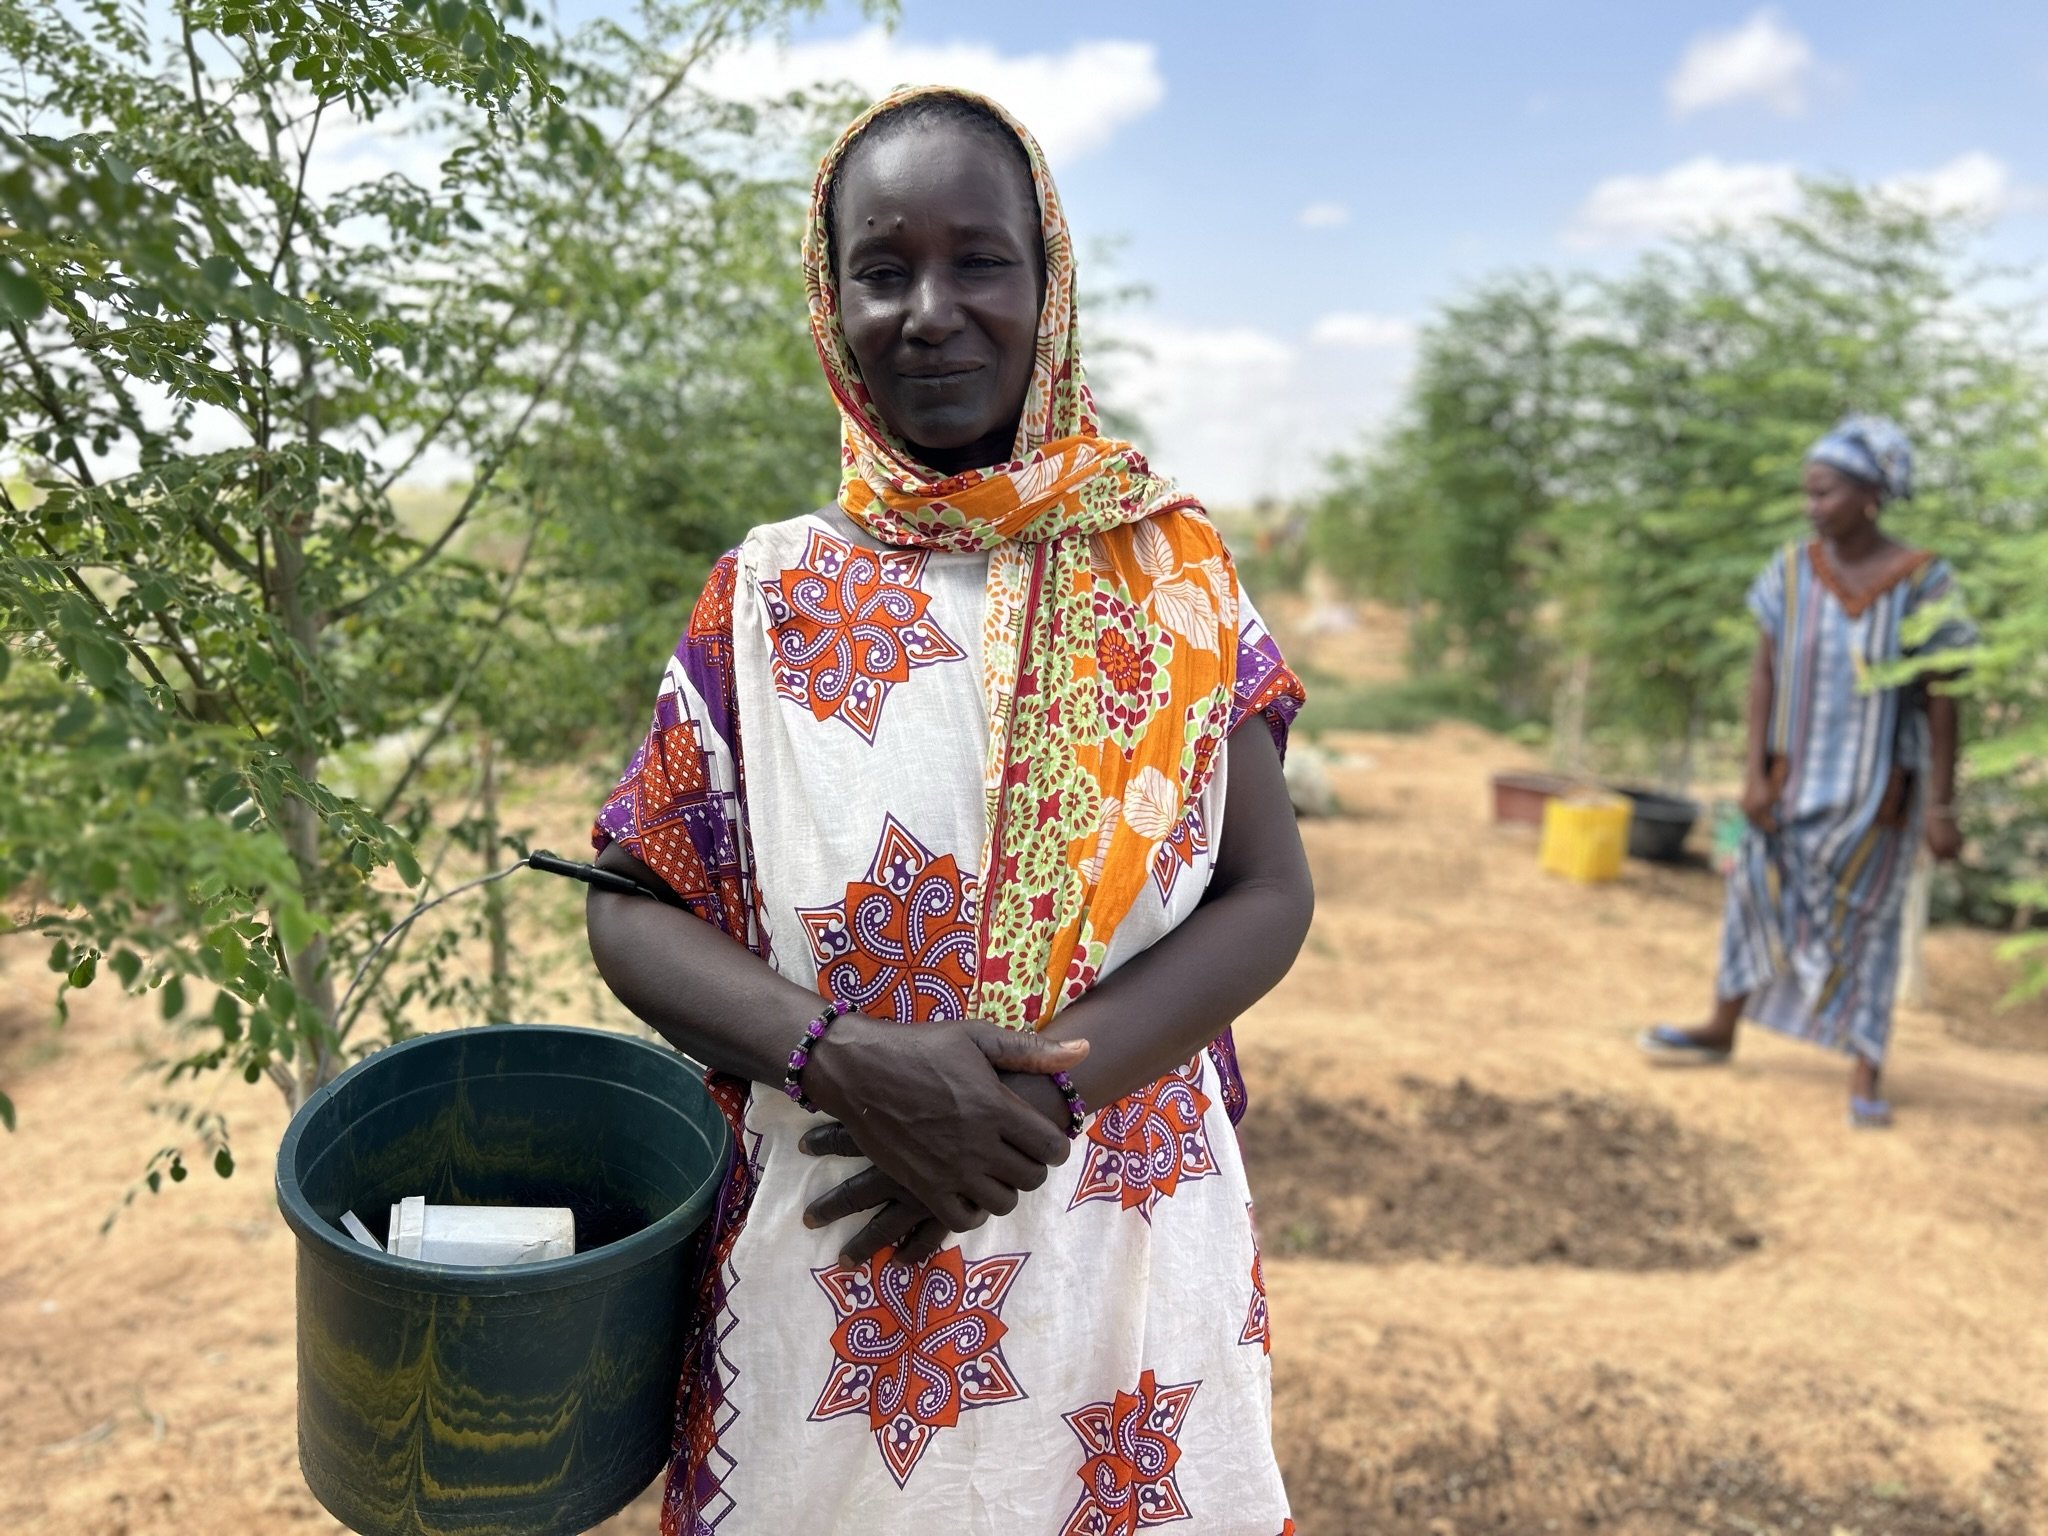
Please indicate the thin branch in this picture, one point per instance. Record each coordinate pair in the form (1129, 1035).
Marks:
(469, 671)
(395, 951)
(46, 395)
(714, 31)
(447, 417)
(486, 473)
(231, 557)
(291, 215)
(420, 909)
(256, 421)
(78, 584)
(191, 59)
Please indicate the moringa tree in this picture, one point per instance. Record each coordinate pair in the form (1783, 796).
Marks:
(260, 264)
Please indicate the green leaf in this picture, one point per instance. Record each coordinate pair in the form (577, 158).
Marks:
(408, 866)
(173, 1001)
(102, 660)
(224, 1163)
(295, 926)
(6, 1111)
(60, 956)
(179, 1172)
(83, 972)
(127, 965)
(232, 952)
(225, 792)
(21, 296)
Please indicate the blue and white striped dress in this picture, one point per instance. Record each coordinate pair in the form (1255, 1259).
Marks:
(1811, 932)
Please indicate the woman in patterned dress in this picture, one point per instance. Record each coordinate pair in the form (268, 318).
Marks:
(987, 755)
(1844, 780)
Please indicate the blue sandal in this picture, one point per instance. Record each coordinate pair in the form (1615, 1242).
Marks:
(1869, 1114)
(1672, 1046)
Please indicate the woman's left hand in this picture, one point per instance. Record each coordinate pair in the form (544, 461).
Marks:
(900, 1221)
(1944, 837)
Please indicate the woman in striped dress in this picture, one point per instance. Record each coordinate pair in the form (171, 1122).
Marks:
(1843, 778)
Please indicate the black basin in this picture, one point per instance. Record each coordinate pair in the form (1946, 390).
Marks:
(1659, 825)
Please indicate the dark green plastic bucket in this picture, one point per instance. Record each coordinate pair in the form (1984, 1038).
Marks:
(534, 1400)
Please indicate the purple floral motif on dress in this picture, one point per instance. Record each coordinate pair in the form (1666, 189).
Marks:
(669, 810)
(1183, 847)
(1132, 1450)
(914, 1347)
(1266, 685)
(847, 624)
(901, 943)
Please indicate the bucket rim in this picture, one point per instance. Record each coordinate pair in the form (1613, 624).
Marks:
(463, 1279)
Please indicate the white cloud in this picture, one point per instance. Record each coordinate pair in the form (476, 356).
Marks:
(1698, 194)
(1362, 331)
(1236, 413)
(1973, 185)
(1325, 216)
(1074, 101)
(1762, 58)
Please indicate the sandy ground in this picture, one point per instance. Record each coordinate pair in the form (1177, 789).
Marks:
(1519, 1281)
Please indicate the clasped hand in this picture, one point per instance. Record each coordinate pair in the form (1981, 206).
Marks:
(1760, 801)
(935, 1108)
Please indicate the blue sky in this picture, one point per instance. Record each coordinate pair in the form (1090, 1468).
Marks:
(1299, 184)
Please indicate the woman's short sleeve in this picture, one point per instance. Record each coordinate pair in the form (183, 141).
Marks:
(1936, 591)
(1266, 685)
(1767, 595)
(680, 806)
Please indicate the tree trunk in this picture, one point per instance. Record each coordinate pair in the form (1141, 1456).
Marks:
(302, 829)
(1912, 958)
(498, 1003)
(1568, 728)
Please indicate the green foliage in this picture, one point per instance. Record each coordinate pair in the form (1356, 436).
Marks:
(1590, 473)
(240, 691)
(1487, 416)
(1710, 374)
(1412, 704)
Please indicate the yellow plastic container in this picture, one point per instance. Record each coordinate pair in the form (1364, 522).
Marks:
(1585, 836)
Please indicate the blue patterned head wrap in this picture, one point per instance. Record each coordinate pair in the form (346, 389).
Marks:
(1874, 450)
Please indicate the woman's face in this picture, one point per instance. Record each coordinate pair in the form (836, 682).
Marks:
(1837, 504)
(940, 271)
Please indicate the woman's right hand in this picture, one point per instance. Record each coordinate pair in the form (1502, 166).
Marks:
(924, 1103)
(1759, 801)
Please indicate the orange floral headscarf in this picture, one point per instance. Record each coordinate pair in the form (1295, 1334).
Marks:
(1109, 650)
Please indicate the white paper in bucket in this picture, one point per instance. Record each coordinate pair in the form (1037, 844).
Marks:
(480, 1235)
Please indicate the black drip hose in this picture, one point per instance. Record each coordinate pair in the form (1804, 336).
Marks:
(540, 859)
(602, 879)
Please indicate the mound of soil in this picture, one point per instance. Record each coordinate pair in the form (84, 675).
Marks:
(1596, 1181)
(1537, 1477)
(1973, 999)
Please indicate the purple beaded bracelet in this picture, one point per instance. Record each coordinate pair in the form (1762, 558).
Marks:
(792, 1080)
(1077, 1107)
